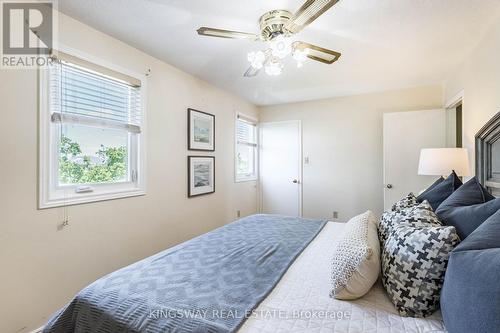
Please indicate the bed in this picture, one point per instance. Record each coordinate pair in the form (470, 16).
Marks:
(283, 286)
(306, 286)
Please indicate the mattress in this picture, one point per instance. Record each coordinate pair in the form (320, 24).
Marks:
(300, 302)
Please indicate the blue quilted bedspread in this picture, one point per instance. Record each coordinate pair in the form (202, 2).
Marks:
(208, 284)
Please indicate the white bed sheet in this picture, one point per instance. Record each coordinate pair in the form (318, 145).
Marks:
(305, 288)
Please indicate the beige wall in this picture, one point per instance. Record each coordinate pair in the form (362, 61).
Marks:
(343, 139)
(479, 79)
(41, 267)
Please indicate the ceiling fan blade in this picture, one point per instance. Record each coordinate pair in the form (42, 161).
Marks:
(211, 32)
(310, 10)
(317, 53)
(251, 72)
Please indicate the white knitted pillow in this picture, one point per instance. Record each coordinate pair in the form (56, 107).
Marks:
(356, 258)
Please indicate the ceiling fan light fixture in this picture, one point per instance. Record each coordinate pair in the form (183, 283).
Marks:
(256, 59)
(300, 55)
(281, 46)
(273, 68)
(277, 28)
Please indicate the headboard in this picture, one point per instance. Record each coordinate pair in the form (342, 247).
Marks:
(488, 155)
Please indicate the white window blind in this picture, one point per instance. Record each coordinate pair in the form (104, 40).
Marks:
(79, 95)
(246, 133)
(246, 149)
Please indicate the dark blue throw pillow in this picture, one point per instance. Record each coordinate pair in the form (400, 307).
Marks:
(470, 298)
(441, 191)
(485, 237)
(430, 188)
(471, 193)
(467, 208)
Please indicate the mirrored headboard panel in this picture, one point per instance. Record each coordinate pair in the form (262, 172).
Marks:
(488, 155)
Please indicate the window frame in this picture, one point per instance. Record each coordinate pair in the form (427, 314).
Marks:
(50, 193)
(251, 177)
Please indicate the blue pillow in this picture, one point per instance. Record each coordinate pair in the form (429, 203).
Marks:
(470, 298)
(467, 208)
(441, 191)
(436, 183)
(486, 236)
(470, 193)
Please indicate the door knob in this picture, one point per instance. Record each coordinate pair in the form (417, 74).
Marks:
(295, 181)
(389, 186)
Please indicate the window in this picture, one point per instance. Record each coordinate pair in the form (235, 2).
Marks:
(91, 128)
(246, 149)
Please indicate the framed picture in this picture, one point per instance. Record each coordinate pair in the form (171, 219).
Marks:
(201, 175)
(201, 130)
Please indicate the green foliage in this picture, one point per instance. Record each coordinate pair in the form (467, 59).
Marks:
(242, 165)
(112, 166)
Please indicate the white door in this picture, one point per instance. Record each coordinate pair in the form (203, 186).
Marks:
(281, 168)
(405, 133)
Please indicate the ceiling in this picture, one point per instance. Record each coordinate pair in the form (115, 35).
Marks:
(385, 44)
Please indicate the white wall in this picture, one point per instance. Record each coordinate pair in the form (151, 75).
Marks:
(479, 78)
(343, 139)
(41, 268)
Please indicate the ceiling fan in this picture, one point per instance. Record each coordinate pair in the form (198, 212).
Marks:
(276, 27)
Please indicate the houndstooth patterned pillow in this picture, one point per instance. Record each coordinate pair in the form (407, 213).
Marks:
(414, 261)
(409, 201)
(419, 215)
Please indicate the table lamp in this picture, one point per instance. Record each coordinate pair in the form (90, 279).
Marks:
(442, 161)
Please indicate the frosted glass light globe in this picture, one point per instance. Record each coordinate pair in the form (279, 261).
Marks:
(281, 47)
(274, 68)
(256, 59)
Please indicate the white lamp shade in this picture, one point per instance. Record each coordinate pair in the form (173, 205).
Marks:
(441, 161)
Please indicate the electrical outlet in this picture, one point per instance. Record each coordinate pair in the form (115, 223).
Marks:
(335, 215)
(306, 160)
(238, 213)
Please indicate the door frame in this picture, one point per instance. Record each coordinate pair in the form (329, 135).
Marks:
(300, 176)
(455, 100)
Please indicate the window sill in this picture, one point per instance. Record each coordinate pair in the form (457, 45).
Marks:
(244, 180)
(88, 198)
